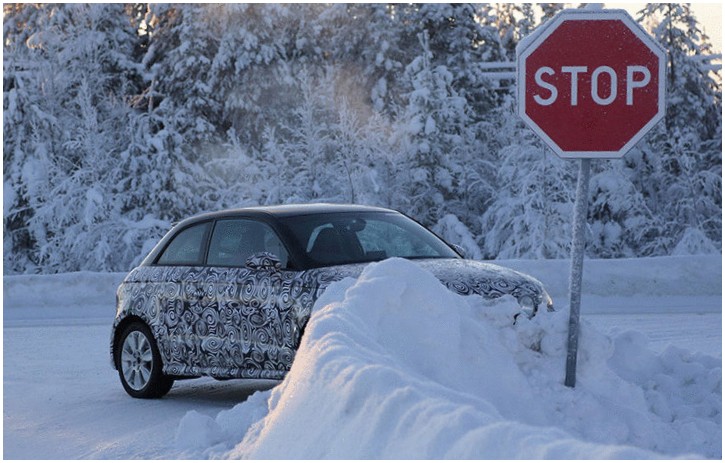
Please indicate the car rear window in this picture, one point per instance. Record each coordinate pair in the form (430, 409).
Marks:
(187, 247)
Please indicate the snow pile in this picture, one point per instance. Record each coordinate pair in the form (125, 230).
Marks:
(395, 366)
(78, 298)
(650, 276)
(64, 289)
(657, 276)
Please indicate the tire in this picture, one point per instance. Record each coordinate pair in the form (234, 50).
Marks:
(139, 364)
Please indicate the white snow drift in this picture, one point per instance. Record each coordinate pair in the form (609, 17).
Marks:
(393, 365)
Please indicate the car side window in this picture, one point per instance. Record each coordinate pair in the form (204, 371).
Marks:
(187, 247)
(234, 240)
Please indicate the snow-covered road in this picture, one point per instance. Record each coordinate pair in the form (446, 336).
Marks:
(62, 400)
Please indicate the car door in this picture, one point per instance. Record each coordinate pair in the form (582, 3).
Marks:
(255, 300)
(179, 279)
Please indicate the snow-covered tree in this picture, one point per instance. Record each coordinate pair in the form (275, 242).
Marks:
(512, 22)
(530, 214)
(178, 58)
(120, 119)
(434, 140)
(684, 154)
(71, 108)
(620, 222)
(326, 150)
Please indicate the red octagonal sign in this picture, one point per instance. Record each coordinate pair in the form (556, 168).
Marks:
(591, 84)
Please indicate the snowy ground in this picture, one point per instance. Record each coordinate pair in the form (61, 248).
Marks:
(649, 385)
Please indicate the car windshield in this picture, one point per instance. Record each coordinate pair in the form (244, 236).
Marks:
(355, 237)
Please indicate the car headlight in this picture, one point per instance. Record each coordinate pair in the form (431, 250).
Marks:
(549, 302)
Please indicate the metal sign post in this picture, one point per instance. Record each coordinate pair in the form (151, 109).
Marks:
(591, 84)
(578, 242)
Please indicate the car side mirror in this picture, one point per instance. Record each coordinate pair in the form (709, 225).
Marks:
(263, 261)
(459, 250)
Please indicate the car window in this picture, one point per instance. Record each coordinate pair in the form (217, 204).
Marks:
(315, 233)
(342, 238)
(234, 240)
(334, 245)
(384, 239)
(187, 247)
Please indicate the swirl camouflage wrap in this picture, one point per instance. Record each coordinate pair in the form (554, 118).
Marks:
(246, 322)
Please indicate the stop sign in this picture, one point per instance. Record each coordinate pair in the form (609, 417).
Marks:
(591, 83)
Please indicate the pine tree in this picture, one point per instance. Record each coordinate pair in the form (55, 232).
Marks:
(620, 222)
(434, 140)
(69, 112)
(254, 70)
(685, 153)
(530, 214)
(178, 60)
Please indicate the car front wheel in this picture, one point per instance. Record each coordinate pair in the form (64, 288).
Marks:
(139, 364)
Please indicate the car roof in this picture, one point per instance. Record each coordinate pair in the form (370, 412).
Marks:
(287, 210)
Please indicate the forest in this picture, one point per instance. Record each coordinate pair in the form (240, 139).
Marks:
(122, 119)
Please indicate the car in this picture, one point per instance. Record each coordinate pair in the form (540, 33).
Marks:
(228, 294)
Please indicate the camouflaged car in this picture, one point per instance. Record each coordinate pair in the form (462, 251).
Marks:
(227, 294)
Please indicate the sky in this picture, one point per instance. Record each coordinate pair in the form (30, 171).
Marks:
(709, 15)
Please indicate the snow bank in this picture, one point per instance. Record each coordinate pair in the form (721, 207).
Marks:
(395, 366)
(657, 276)
(75, 298)
(72, 289)
(651, 276)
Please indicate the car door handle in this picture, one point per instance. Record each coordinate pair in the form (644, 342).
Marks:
(199, 292)
(195, 291)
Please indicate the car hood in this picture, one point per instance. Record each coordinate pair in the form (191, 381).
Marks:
(466, 277)
(489, 280)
